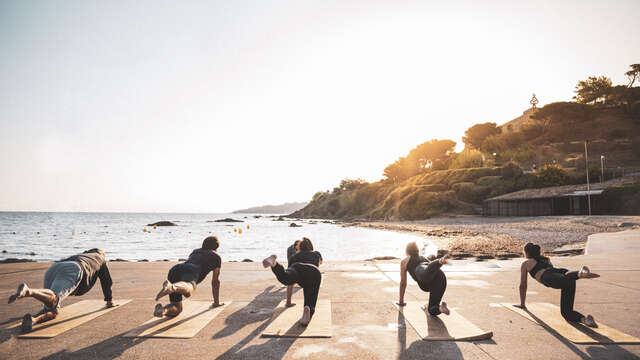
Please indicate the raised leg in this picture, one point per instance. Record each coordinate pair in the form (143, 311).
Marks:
(286, 277)
(45, 296)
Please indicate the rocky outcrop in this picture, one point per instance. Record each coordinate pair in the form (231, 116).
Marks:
(226, 220)
(163, 223)
(294, 225)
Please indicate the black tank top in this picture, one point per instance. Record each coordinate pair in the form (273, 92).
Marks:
(413, 263)
(539, 266)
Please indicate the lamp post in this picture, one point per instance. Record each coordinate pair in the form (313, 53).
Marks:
(601, 169)
(586, 161)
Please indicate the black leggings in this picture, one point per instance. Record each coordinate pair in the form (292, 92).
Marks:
(565, 280)
(431, 279)
(306, 275)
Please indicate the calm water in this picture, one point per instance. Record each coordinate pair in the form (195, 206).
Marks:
(52, 236)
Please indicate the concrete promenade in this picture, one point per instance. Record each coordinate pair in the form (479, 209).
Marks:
(365, 323)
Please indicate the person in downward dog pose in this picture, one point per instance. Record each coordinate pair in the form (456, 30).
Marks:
(429, 277)
(541, 269)
(183, 278)
(303, 270)
(74, 275)
(291, 251)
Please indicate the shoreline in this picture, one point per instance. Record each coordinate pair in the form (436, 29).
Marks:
(503, 237)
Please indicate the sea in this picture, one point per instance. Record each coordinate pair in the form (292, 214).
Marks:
(50, 236)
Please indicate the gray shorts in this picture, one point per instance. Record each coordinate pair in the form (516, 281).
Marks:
(62, 278)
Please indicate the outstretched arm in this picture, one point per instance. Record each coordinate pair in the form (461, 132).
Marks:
(106, 283)
(215, 286)
(403, 282)
(523, 285)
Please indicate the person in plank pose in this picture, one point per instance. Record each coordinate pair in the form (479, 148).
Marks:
(541, 269)
(303, 270)
(183, 278)
(291, 251)
(429, 277)
(74, 275)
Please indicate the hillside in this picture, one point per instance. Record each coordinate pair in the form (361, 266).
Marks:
(543, 147)
(285, 208)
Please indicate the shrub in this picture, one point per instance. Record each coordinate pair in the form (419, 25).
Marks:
(470, 192)
(467, 159)
(511, 170)
(551, 175)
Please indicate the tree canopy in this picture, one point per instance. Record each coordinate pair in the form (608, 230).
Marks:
(433, 154)
(593, 90)
(475, 135)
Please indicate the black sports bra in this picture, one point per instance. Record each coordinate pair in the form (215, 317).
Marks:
(539, 266)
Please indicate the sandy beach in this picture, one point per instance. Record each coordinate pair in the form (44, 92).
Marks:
(505, 236)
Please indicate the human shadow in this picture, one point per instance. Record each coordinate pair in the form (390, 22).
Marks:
(612, 351)
(110, 348)
(418, 348)
(259, 309)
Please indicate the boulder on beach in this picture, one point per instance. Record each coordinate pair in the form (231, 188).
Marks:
(382, 258)
(14, 260)
(143, 260)
(119, 260)
(226, 220)
(626, 224)
(162, 223)
(294, 225)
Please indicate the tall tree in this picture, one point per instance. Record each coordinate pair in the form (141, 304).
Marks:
(427, 153)
(633, 74)
(475, 135)
(593, 90)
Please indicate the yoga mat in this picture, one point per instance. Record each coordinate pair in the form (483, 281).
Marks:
(285, 322)
(70, 317)
(549, 315)
(453, 327)
(195, 315)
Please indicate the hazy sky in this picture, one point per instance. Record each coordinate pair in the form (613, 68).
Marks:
(210, 106)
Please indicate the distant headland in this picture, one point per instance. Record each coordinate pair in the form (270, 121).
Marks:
(285, 208)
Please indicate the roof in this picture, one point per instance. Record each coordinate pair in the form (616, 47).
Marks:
(566, 190)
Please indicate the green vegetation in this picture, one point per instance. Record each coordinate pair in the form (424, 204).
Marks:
(432, 179)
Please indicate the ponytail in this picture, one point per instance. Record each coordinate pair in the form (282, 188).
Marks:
(532, 251)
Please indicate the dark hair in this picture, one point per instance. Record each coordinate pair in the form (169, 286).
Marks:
(296, 243)
(306, 244)
(532, 251)
(412, 249)
(94, 250)
(211, 243)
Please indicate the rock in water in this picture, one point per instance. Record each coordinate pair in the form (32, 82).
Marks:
(247, 260)
(226, 220)
(162, 223)
(294, 225)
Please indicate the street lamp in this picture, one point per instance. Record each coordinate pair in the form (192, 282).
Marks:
(601, 168)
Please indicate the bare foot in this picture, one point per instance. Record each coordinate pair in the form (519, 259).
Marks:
(22, 291)
(444, 309)
(167, 288)
(158, 311)
(585, 273)
(589, 321)
(269, 262)
(27, 323)
(306, 316)
(289, 304)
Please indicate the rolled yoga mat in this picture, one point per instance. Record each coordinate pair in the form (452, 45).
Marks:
(71, 316)
(285, 322)
(194, 317)
(549, 315)
(453, 327)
